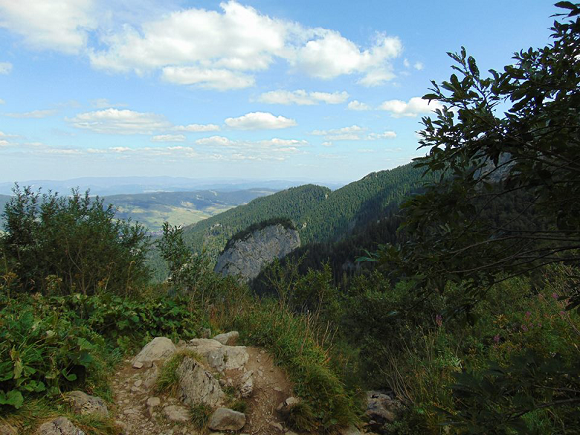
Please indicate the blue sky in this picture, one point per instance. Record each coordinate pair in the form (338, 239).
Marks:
(319, 90)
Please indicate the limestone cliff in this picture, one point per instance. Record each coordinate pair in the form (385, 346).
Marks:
(246, 256)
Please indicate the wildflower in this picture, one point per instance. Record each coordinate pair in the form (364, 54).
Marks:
(524, 328)
(528, 314)
(555, 296)
(439, 320)
(496, 339)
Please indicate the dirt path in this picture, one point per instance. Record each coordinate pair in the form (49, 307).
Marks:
(139, 410)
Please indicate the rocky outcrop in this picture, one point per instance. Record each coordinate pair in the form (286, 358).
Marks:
(245, 258)
(218, 356)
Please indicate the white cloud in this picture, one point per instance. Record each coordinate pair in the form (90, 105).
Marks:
(302, 98)
(5, 67)
(197, 127)
(269, 149)
(55, 25)
(220, 79)
(414, 107)
(222, 49)
(418, 66)
(103, 103)
(385, 135)
(114, 121)
(354, 132)
(260, 121)
(168, 138)
(357, 105)
(327, 144)
(36, 114)
(331, 55)
(2, 101)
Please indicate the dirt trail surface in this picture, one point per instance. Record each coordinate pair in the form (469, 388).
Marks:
(138, 409)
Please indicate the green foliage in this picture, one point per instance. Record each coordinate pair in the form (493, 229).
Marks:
(486, 156)
(168, 378)
(72, 244)
(200, 415)
(294, 345)
(51, 344)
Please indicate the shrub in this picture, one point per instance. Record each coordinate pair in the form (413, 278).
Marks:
(72, 244)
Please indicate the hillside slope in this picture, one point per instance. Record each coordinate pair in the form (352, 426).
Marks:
(320, 215)
(212, 234)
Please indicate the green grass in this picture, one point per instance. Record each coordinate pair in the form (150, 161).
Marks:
(200, 415)
(168, 378)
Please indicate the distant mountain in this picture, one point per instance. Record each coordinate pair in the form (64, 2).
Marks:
(321, 215)
(132, 185)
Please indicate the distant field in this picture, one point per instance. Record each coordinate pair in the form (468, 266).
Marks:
(177, 208)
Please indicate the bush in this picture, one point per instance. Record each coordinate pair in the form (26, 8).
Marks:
(65, 245)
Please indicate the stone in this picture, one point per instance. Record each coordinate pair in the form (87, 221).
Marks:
(205, 333)
(158, 349)
(59, 426)
(6, 429)
(138, 382)
(247, 384)
(229, 338)
(197, 385)
(84, 404)
(244, 258)
(218, 356)
(226, 419)
(153, 402)
(137, 365)
(277, 425)
(382, 409)
(151, 376)
(285, 407)
(176, 413)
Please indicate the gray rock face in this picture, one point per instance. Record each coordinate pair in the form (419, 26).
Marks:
(176, 413)
(229, 338)
(196, 385)
(226, 419)
(84, 404)
(59, 426)
(158, 349)
(246, 258)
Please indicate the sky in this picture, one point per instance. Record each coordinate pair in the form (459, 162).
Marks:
(257, 89)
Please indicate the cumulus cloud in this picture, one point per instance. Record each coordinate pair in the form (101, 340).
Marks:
(197, 127)
(5, 67)
(386, 135)
(414, 107)
(168, 138)
(36, 114)
(302, 98)
(55, 25)
(330, 55)
(260, 121)
(114, 121)
(357, 105)
(222, 49)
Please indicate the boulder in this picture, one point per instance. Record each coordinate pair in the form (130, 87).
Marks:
(218, 356)
(84, 404)
(176, 413)
(229, 338)
(158, 349)
(226, 419)
(197, 385)
(382, 408)
(59, 426)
